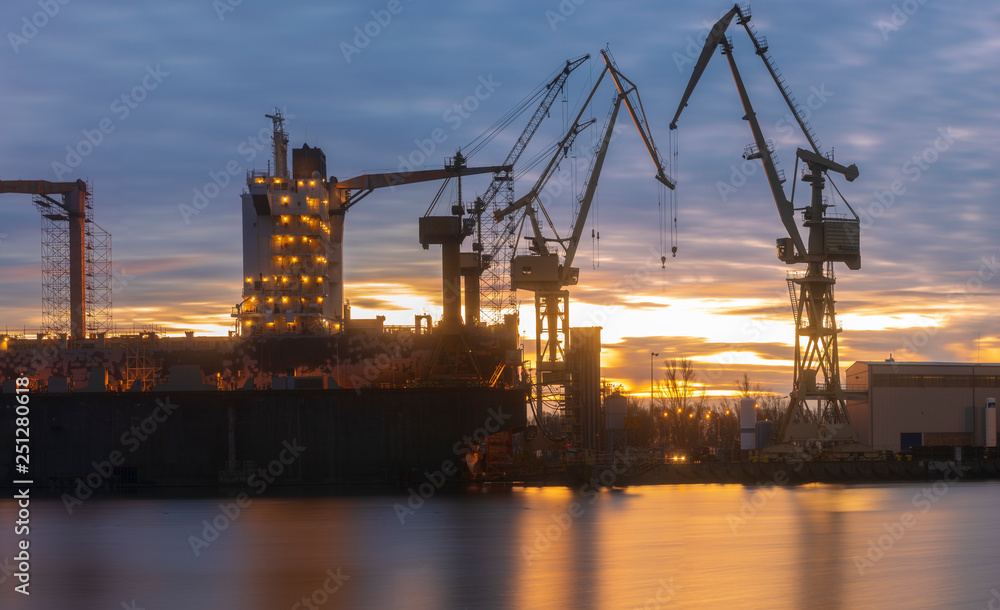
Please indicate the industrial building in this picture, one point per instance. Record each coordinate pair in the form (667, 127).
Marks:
(899, 405)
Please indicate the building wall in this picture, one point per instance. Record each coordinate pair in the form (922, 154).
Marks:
(941, 401)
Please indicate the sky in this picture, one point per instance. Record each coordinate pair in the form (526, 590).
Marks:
(151, 102)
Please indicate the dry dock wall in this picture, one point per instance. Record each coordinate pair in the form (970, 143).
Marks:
(204, 438)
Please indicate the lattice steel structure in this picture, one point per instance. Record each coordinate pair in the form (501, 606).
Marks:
(55, 268)
(98, 256)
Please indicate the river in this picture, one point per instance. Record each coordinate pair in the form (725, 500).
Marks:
(931, 545)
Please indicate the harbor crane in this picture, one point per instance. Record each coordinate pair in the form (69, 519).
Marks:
(548, 272)
(72, 210)
(486, 258)
(830, 239)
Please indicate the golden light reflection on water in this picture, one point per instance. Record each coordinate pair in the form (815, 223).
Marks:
(921, 545)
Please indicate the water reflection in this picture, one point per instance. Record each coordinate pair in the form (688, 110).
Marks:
(689, 546)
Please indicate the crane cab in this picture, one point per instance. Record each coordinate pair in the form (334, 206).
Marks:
(842, 241)
(540, 272)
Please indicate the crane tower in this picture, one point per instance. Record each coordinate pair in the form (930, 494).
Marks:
(817, 410)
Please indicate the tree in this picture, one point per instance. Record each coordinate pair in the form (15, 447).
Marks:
(770, 406)
(684, 406)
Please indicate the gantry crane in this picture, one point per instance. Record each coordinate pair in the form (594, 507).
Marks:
(72, 209)
(830, 239)
(543, 271)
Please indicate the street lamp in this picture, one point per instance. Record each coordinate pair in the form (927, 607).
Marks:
(651, 356)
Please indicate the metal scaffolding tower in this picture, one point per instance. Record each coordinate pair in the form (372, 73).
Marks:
(57, 269)
(98, 255)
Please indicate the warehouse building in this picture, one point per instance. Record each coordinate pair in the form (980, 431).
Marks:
(899, 405)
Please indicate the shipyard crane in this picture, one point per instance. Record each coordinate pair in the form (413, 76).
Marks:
(72, 209)
(345, 194)
(830, 239)
(486, 257)
(547, 274)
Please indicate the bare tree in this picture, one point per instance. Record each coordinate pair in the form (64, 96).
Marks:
(770, 406)
(683, 407)
(745, 388)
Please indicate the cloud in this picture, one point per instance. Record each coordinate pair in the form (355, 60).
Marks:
(891, 96)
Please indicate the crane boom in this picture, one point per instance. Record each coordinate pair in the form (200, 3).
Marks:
(588, 195)
(715, 37)
(553, 88)
(562, 148)
(366, 183)
(639, 118)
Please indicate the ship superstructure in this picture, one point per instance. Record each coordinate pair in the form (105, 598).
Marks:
(291, 275)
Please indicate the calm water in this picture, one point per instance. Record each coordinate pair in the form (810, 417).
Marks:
(695, 546)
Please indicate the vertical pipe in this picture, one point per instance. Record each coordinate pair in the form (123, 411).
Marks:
(451, 280)
(75, 202)
(472, 296)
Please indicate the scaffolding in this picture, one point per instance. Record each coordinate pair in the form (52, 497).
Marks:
(98, 256)
(140, 367)
(56, 269)
(498, 298)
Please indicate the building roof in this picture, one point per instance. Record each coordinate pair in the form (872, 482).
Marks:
(907, 363)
